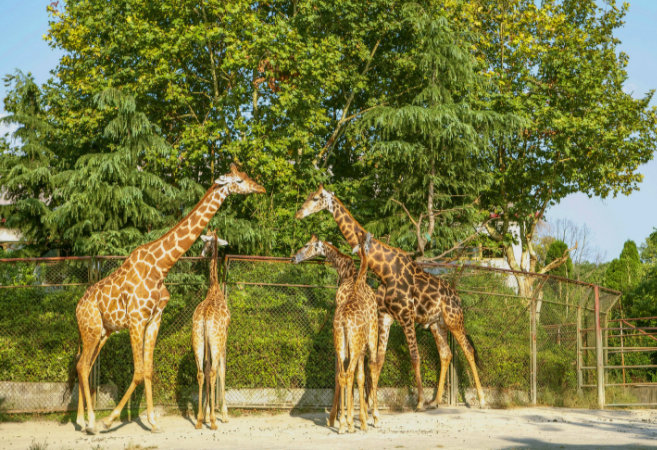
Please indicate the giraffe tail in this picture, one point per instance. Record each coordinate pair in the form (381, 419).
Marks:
(474, 350)
(72, 373)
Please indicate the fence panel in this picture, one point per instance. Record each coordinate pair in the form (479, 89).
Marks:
(280, 347)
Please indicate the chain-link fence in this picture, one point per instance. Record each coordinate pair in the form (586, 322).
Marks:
(280, 347)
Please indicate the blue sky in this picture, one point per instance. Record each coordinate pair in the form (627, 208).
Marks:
(24, 22)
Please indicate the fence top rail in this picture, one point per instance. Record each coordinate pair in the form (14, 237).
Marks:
(635, 318)
(228, 258)
(518, 272)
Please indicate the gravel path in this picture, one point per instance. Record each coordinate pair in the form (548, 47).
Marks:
(454, 428)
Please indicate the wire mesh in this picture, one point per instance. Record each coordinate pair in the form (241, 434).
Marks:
(280, 349)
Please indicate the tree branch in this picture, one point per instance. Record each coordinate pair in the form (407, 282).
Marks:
(558, 262)
(331, 141)
(460, 244)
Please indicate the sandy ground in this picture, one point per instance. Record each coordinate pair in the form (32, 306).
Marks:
(454, 428)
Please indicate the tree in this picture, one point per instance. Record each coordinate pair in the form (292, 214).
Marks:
(624, 273)
(648, 250)
(556, 251)
(557, 65)
(26, 170)
(427, 145)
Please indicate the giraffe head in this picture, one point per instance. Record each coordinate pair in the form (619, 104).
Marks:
(210, 241)
(239, 182)
(313, 248)
(316, 201)
(364, 243)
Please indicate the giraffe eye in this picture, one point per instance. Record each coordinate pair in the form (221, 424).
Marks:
(315, 199)
(240, 181)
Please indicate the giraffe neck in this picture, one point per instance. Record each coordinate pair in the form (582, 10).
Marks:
(362, 271)
(181, 237)
(342, 263)
(379, 252)
(214, 281)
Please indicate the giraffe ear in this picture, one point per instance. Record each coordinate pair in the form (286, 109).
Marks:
(206, 239)
(355, 249)
(233, 168)
(221, 242)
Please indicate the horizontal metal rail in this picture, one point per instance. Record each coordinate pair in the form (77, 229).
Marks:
(623, 384)
(639, 366)
(636, 318)
(618, 329)
(618, 348)
(282, 285)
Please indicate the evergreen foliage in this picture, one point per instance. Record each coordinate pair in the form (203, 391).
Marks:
(429, 144)
(556, 251)
(623, 273)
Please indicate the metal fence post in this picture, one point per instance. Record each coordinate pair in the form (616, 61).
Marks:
(580, 380)
(599, 355)
(533, 350)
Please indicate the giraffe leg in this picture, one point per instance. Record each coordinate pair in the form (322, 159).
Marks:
(80, 418)
(89, 346)
(214, 351)
(385, 321)
(361, 392)
(198, 344)
(459, 334)
(150, 337)
(336, 396)
(408, 325)
(342, 378)
(440, 336)
(207, 371)
(374, 374)
(222, 386)
(137, 343)
(350, 398)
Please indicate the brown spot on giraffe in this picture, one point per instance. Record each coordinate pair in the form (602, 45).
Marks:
(404, 287)
(133, 298)
(209, 335)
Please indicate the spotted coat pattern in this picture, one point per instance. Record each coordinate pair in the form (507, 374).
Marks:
(134, 296)
(355, 331)
(407, 294)
(209, 336)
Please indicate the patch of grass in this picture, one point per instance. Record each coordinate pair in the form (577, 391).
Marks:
(38, 445)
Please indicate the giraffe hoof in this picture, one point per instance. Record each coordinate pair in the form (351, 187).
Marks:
(106, 426)
(432, 405)
(157, 430)
(91, 430)
(420, 408)
(199, 425)
(214, 426)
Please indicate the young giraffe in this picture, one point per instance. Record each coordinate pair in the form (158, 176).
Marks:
(407, 294)
(346, 269)
(209, 334)
(134, 297)
(354, 331)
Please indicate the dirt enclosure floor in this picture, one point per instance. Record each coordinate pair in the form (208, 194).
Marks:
(453, 428)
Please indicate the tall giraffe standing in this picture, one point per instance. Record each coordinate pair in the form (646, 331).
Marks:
(209, 335)
(407, 294)
(134, 297)
(354, 332)
(346, 269)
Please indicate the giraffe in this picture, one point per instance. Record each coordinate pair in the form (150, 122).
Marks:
(407, 294)
(134, 297)
(209, 334)
(354, 332)
(346, 269)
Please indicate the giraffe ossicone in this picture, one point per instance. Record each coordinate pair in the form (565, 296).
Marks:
(134, 296)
